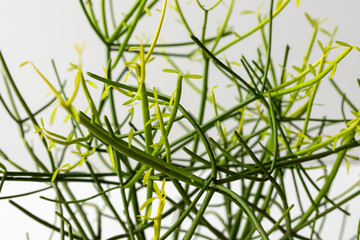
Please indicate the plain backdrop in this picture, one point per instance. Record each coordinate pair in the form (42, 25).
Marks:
(41, 30)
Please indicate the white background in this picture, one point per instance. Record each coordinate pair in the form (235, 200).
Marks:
(41, 30)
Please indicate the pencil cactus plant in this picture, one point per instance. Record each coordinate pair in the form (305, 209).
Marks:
(237, 170)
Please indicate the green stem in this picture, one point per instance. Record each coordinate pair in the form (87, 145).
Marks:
(268, 50)
(265, 21)
(91, 19)
(129, 32)
(199, 215)
(183, 18)
(103, 18)
(41, 221)
(326, 187)
(318, 77)
(187, 211)
(139, 155)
